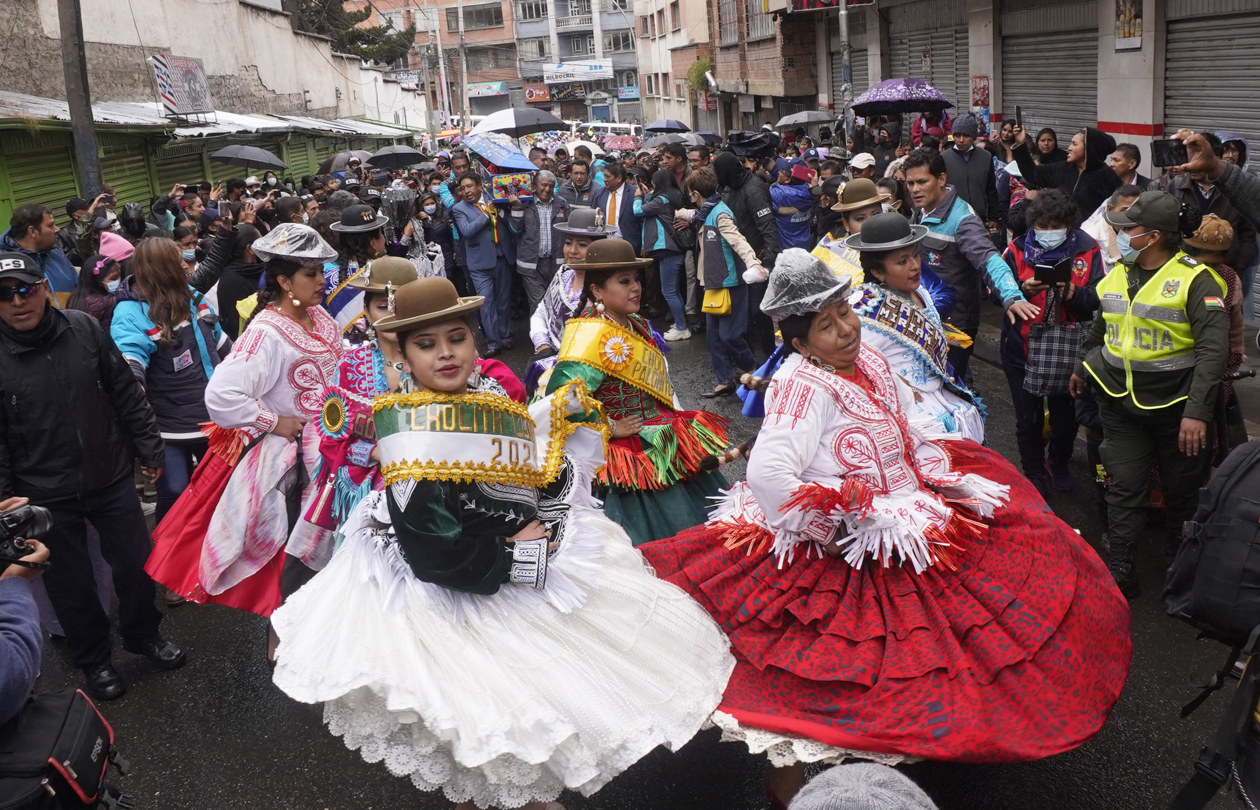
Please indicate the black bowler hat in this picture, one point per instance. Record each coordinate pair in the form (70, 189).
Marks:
(359, 219)
(886, 232)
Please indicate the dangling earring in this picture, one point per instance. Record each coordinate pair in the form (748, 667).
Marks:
(599, 307)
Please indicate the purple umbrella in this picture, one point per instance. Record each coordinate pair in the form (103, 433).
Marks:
(895, 96)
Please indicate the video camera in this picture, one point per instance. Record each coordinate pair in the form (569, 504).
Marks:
(17, 528)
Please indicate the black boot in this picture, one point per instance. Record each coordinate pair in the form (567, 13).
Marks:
(1123, 568)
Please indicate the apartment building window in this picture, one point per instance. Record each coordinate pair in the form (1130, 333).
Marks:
(582, 45)
(660, 21)
(489, 15)
(760, 24)
(680, 90)
(616, 41)
(532, 10)
(644, 31)
(617, 5)
(535, 50)
(490, 58)
(579, 8)
(675, 16)
(728, 22)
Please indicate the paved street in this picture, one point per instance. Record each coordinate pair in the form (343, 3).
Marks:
(217, 734)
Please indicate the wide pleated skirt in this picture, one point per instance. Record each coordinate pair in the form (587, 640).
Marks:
(507, 698)
(1018, 654)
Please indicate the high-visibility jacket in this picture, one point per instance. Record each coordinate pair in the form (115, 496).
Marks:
(1150, 332)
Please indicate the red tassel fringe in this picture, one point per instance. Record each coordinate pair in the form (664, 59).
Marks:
(224, 443)
(852, 496)
(737, 533)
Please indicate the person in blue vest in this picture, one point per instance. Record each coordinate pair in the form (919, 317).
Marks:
(726, 262)
(1154, 361)
(33, 233)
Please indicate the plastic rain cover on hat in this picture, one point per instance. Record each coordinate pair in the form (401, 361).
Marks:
(800, 283)
(291, 240)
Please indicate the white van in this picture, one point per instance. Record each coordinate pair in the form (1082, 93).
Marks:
(599, 129)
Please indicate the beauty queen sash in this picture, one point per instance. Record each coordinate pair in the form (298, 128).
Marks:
(618, 352)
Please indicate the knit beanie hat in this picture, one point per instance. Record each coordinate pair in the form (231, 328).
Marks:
(966, 124)
(115, 247)
(861, 786)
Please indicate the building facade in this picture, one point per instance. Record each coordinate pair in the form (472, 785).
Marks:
(673, 36)
(1138, 69)
(578, 58)
(494, 83)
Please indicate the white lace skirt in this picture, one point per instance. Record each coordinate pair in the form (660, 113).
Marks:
(510, 698)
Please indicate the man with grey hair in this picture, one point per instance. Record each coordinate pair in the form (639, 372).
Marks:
(536, 247)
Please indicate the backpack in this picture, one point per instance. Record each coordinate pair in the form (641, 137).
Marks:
(54, 753)
(1214, 580)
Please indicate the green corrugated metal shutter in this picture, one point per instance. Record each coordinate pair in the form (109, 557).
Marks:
(125, 167)
(44, 176)
(180, 165)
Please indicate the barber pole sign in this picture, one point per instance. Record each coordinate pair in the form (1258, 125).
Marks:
(182, 85)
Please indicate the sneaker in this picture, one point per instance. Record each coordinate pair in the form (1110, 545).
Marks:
(1061, 477)
(677, 334)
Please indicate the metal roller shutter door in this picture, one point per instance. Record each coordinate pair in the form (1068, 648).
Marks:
(941, 57)
(1054, 78)
(1225, 101)
(861, 77)
(44, 176)
(125, 167)
(172, 169)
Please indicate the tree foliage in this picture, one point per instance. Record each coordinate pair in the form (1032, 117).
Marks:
(330, 18)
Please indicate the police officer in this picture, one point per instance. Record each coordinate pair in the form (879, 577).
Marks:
(1154, 360)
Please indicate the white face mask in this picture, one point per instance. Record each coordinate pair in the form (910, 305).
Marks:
(112, 286)
(1051, 239)
(271, 181)
(430, 209)
(1124, 245)
(305, 217)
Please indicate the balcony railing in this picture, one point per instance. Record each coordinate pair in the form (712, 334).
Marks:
(577, 21)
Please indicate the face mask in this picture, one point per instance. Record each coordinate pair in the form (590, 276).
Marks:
(305, 217)
(1051, 239)
(435, 188)
(430, 209)
(112, 286)
(1124, 245)
(189, 254)
(271, 181)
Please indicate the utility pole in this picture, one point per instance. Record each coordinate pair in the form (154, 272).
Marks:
(444, 89)
(846, 74)
(424, 82)
(78, 95)
(463, 70)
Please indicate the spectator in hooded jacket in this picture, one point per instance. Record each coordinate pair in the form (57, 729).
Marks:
(793, 203)
(33, 233)
(1085, 175)
(1196, 190)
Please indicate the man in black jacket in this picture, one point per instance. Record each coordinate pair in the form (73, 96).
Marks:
(749, 199)
(72, 421)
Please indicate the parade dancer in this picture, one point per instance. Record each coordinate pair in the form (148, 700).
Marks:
(361, 232)
(656, 486)
(900, 321)
(484, 628)
(560, 300)
(224, 539)
(888, 594)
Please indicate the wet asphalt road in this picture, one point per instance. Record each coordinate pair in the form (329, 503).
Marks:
(218, 734)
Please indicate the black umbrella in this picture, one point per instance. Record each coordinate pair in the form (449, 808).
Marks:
(339, 161)
(395, 157)
(662, 139)
(667, 125)
(518, 121)
(248, 156)
(710, 137)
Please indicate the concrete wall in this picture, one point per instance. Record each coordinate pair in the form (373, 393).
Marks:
(254, 61)
(1131, 83)
(389, 101)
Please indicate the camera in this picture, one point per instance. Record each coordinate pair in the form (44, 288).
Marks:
(17, 528)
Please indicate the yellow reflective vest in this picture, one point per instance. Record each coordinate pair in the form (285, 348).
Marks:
(1151, 332)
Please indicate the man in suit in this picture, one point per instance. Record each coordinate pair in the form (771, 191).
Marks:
(486, 242)
(536, 247)
(581, 189)
(619, 209)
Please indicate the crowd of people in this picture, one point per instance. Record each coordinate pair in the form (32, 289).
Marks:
(513, 582)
